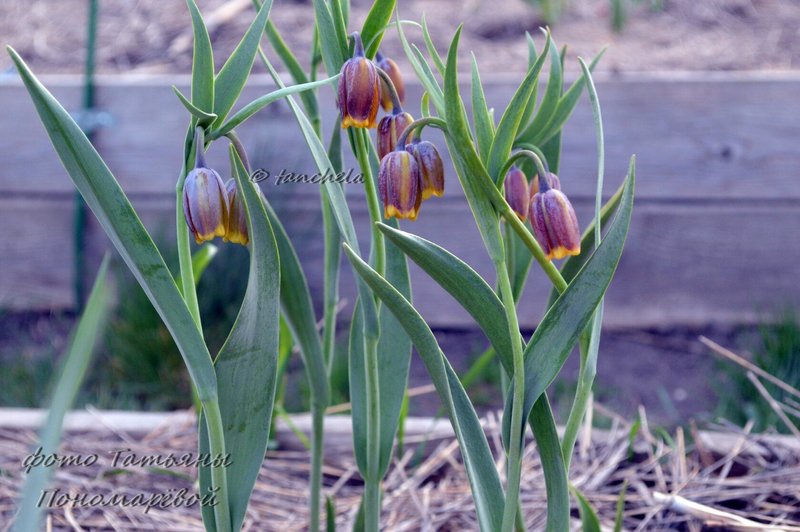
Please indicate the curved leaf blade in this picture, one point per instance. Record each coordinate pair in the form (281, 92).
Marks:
(202, 63)
(201, 116)
(375, 23)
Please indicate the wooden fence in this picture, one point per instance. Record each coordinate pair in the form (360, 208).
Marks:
(714, 235)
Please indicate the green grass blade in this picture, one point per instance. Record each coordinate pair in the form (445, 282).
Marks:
(332, 48)
(512, 118)
(484, 481)
(232, 76)
(619, 514)
(566, 319)
(259, 103)
(462, 282)
(589, 520)
(247, 364)
(202, 63)
(71, 375)
(118, 219)
(377, 18)
(484, 127)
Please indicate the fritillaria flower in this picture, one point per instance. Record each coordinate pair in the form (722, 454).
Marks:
(390, 128)
(236, 226)
(554, 223)
(205, 204)
(390, 67)
(359, 92)
(515, 187)
(430, 166)
(399, 184)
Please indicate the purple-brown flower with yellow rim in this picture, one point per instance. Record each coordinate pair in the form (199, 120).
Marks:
(359, 94)
(399, 185)
(236, 225)
(390, 67)
(515, 187)
(389, 130)
(554, 223)
(430, 165)
(205, 204)
(554, 182)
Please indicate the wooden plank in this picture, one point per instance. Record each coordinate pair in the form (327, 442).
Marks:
(696, 136)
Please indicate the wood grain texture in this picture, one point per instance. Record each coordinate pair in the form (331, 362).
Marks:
(712, 239)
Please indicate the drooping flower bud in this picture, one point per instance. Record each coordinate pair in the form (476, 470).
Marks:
(390, 67)
(390, 128)
(515, 187)
(555, 225)
(554, 182)
(205, 204)
(359, 92)
(399, 185)
(430, 165)
(236, 225)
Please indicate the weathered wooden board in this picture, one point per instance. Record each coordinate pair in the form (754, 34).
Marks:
(718, 201)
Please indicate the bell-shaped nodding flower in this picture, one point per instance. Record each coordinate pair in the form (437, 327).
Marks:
(431, 169)
(554, 182)
(399, 184)
(554, 223)
(390, 128)
(236, 225)
(390, 67)
(205, 204)
(515, 187)
(359, 93)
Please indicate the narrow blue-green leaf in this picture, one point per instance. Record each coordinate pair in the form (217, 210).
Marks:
(232, 76)
(432, 51)
(424, 66)
(589, 520)
(262, 101)
(337, 12)
(202, 258)
(462, 282)
(479, 463)
(330, 515)
(70, 377)
(574, 263)
(293, 66)
(471, 172)
(202, 63)
(552, 94)
(512, 118)
(566, 319)
(118, 219)
(298, 310)
(543, 425)
(247, 364)
(377, 18)
(619, 514)
(203, 118)
(333, 50)
(484, 127)
(531, 105)
(431, 85)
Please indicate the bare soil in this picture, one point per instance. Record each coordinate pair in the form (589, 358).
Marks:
(151, 36)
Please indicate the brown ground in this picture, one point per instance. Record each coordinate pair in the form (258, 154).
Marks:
(146, 35)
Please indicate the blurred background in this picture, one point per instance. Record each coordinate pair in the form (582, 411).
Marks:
(705, 93)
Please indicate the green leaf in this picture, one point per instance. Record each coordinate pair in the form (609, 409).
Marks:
(70, 377)
(202, 63)
(573, 264)
(293, 66)
(431, 85)
(550, 100)
(259, 103)
(589, 520)
(377, 18)
(333, 50)
(479, 463)
(543, 425)
(434, 53)
(619, 514)
(512, 118)
(566, 319)
(330, 513)
(247, 363)
(531, 105)
(462, 282)
(203, 118)
(484, 127)
(476, 182)
(233, 75)
(118, 219)
(202, 258)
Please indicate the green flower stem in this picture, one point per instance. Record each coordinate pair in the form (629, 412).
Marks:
(373, 204)
(219, 477)
(240, 151)
(541, 166)
(317, 442)
(182, 234)
(420, 124)
(536, 150)
(515, 447)
(372, 482)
